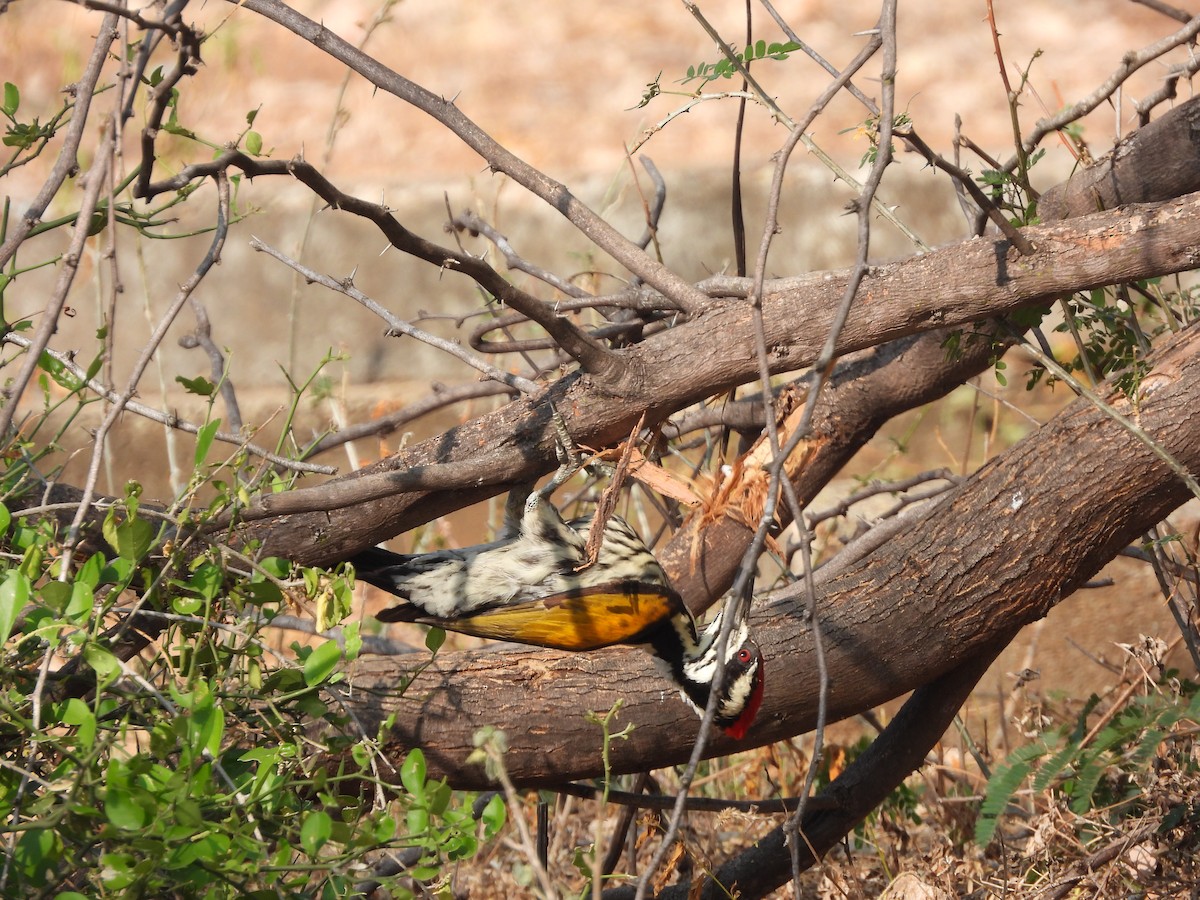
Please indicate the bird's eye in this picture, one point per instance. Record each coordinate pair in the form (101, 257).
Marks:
(744, 656)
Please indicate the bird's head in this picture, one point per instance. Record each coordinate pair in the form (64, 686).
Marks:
(740, 693)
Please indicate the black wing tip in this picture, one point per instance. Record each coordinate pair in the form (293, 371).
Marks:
(375, 558)
(378, 568)
(405, 612)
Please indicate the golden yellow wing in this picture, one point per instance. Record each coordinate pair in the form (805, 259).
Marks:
(619, 613)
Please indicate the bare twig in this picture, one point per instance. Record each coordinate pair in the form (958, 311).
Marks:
(67, 162)
(95, 181)
(202, 338)
(964, 180)
(396, 325)
(742, 583)
(148, 351)
(1129, 64)
(439, 398)
(497, 157)
(882, 487)
(479, 471)
(693, 804)
(470, 222)
(1166, 9)
(170, 419)
(635, 300)
(652, 211)
(590, 353)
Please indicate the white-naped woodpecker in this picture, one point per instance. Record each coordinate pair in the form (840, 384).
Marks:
(533, 586)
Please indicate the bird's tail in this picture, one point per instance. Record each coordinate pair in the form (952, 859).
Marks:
(387, 571)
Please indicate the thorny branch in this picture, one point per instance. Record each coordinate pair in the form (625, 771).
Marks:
(65, 165)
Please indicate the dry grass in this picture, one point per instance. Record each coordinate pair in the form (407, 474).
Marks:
(1138, 837)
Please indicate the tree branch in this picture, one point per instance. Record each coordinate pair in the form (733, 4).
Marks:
(994, 554)
(950, 287)
(497, 157)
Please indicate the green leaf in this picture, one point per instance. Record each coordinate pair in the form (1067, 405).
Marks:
(121, 810)
(198, 385)
(105, 664)
(261, 592)
(276, 566)
(89, 572)
(36, 854)
(5, 519)
(31, 562)
(186, 606)
(14, 594)
(416, 820)
(206, 726)
(207, 580)
(352, 640)
(56, 595)
(315, 832)
(12, 99)
(385, 829)
(57, 370)
(1002, 785)
(76, 712)
(439, 798)
(132, 538)
(79, 607)
(204, 439)
(253, 143)
(434, 639)
(493, 816)
(119, 571)
(412, 772)
(321, 662)
(116, 870)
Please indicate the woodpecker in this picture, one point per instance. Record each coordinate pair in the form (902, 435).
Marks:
(533, 586)
(537, 554)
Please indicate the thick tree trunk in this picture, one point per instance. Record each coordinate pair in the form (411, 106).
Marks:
(994, 554)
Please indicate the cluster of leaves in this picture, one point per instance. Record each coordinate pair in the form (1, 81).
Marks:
(1116, 328)
(186, 769)
(189, 768)
(1010, 192)
(868, 130)
(26, 138)
(704, 72)
(1105, 773)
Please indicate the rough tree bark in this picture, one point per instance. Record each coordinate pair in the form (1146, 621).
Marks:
(964, 283)
(996, 553)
